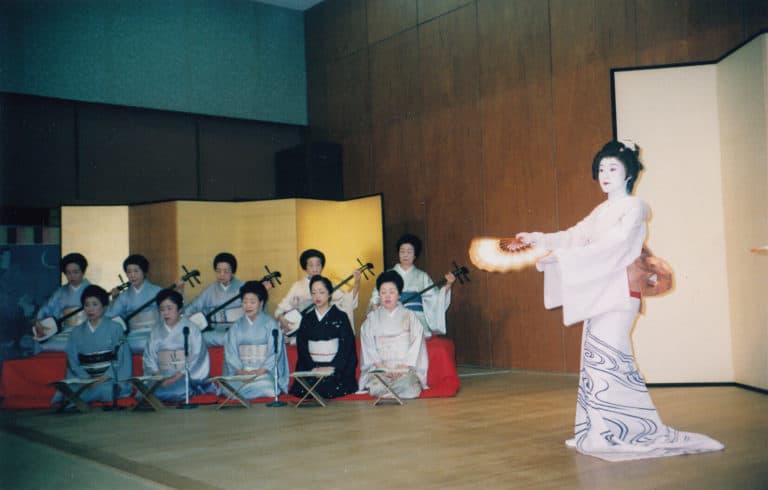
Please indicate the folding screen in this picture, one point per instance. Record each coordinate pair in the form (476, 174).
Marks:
(258, 233)
(702, 130)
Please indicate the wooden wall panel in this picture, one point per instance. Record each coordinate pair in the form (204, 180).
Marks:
(429, 9)
(134, 155)
(347, 27)
(389, 17)
(588, 39)
(451, 152)
(396, 136)
(37, 151)
(755, 17)
(237, 157)
(153, 233)
(687, 30)
(491, 119)
(347, 92)
(519, 173)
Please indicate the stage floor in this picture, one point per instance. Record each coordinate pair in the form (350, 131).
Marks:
(505, 429)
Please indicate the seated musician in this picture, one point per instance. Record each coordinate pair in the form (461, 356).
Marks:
(139, 293)
(63, 301)
(225, 288)
(431, 306)
(392, 340)
(165, 356)
(249, 346)
(298, 297)
(326, 342)
(95, 349)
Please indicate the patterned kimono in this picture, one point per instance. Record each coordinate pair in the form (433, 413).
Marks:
(211, 297)
(141, 324)
(62, 301)
(251, 345)
(615, 416)
(83, 340)
(394, 338)
(430, 307)
(299, 297)
(164, 355)
(327, 340)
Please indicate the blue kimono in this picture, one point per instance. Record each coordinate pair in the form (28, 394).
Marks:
(164, 355)
(141, 324)
(106, 337)
(211, 297)
(251, 345)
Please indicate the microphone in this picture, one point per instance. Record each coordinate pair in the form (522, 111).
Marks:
(186, 341)
(274, 335)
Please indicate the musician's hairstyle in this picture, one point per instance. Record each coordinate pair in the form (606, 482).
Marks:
(172, 295)
(326, 282)
(411, 240)
(74, 258)
(138, 260)
(255, 287)
(308, 254)
(94, 291)
(226, 257)
(390, 276)
(629, 156)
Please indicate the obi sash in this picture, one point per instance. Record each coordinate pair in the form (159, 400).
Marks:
(323, 350)
(414, 304)
(96, 363)
(170, 361)
(393, 349)
(75, 319)
(253, 355)
(145, 320)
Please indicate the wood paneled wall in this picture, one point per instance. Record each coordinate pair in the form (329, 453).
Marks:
(55, 152)
(481, 117)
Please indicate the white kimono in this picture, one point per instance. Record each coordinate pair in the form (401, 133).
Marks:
(430, 307)
(394, 339)
(299, 297)
(615, 416)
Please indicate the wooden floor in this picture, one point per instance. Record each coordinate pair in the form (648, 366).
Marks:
(503, 430)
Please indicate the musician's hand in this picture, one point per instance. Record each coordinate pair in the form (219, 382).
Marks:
(449, 280)
(284, 325)
(179, 284)
(375, 306)
(267, 284)
(357, 275)
(38, 327)
(114, 293)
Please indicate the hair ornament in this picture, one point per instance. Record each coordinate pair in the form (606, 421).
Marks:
(629, 145)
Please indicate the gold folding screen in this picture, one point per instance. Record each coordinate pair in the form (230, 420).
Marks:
(258, 233)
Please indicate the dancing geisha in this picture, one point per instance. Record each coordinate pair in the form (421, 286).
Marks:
(598, 270)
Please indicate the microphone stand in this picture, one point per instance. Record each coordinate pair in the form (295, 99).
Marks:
(186, 404)
(115, 386)
(276, 402)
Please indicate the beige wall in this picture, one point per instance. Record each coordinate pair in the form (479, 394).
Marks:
(672, 114)
(741, 91)
(101, 234)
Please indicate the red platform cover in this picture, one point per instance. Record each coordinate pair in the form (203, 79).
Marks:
(25, 382)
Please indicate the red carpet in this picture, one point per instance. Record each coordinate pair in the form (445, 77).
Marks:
(25, 382)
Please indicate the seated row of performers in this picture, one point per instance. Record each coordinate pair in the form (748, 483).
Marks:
(392, 340)
(135, 305)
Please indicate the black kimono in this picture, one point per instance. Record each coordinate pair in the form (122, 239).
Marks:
(327, 342)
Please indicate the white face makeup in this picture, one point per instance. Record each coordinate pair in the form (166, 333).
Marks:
(612, 176)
